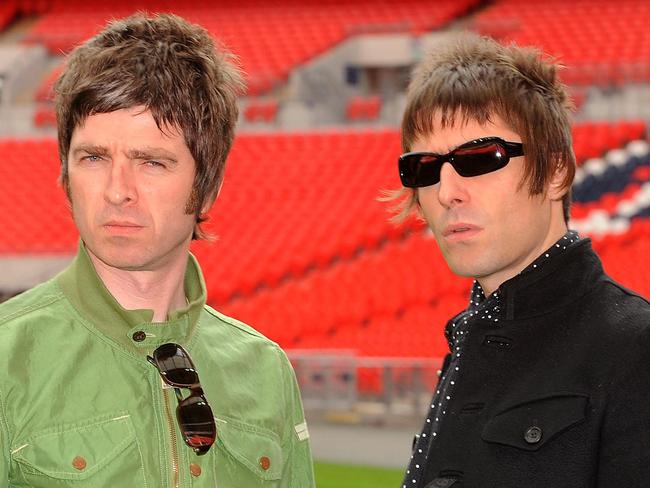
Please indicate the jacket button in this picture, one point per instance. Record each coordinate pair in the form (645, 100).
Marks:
(265, 463)
(533, 435)
(195, 469)
(79, 463)
(139, 336)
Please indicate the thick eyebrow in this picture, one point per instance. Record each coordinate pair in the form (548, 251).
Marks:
(89, 149)
(152, 153)
(145, 153)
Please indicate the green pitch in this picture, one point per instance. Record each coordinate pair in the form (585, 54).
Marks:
(349, 476)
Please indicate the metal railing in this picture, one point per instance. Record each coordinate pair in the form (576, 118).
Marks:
(341, 381)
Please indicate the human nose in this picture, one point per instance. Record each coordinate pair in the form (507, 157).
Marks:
(451, 190)
(120, 187)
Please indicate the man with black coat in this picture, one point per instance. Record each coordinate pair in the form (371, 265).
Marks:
(547, 383)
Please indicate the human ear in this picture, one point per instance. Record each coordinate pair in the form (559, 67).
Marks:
(207, 205)
(557, 186)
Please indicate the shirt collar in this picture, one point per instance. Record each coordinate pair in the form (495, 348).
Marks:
(130, 328)
(492, 308)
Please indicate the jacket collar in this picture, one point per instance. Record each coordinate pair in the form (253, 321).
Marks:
(83, 287)
(563, 280)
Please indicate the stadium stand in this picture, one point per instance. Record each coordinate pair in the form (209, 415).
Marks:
(290, 35)
(600, 41)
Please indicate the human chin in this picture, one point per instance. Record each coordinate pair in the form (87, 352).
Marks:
(116, 249)
(128, 258)
(461, 268)
(464, 262)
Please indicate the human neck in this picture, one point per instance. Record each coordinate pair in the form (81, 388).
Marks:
(492, 282)
(161, 290)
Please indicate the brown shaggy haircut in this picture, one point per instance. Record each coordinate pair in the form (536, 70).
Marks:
(172, 68)
(474, 78)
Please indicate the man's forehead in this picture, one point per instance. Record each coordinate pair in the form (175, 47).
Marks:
(133, 132)
(167, 128)
(445, 133)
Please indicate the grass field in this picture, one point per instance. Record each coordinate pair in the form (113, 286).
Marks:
(349, 476)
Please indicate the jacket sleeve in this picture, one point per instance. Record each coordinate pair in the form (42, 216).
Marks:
(298, 468)
(625, 436)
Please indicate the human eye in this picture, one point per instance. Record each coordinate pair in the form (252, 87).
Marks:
(152, 163)
(91, 158)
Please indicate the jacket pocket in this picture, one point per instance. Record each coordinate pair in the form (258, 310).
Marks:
(98, 452)
(248, 455)
(533, 424)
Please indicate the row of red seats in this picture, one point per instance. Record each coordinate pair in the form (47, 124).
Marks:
(416, 333)
(611, 45)
(363, 108)
(261, 110)
(307, 199)
(594, 139)
(378, 282)
(289, 35)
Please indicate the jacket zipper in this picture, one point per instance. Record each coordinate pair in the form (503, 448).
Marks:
(172, 432)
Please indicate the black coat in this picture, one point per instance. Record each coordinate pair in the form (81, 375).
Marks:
(557, 395)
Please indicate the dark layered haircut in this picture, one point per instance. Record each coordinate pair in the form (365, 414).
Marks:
(172, 68)
(474, 78)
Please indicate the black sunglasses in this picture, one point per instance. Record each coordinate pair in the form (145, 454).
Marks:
(473, 158)
(193, 413)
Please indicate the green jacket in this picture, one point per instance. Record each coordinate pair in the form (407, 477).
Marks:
(80, 406)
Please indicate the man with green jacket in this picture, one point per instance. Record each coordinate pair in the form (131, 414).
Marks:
(116, 373)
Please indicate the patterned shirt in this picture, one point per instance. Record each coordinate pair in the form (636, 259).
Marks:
(485, 308)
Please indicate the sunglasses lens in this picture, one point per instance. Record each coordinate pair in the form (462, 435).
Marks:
(418, 170)
(175, 365)
(480, 159)
(197, 423)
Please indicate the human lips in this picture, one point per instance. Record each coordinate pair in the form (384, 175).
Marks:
(121, 226)
(460, 231)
